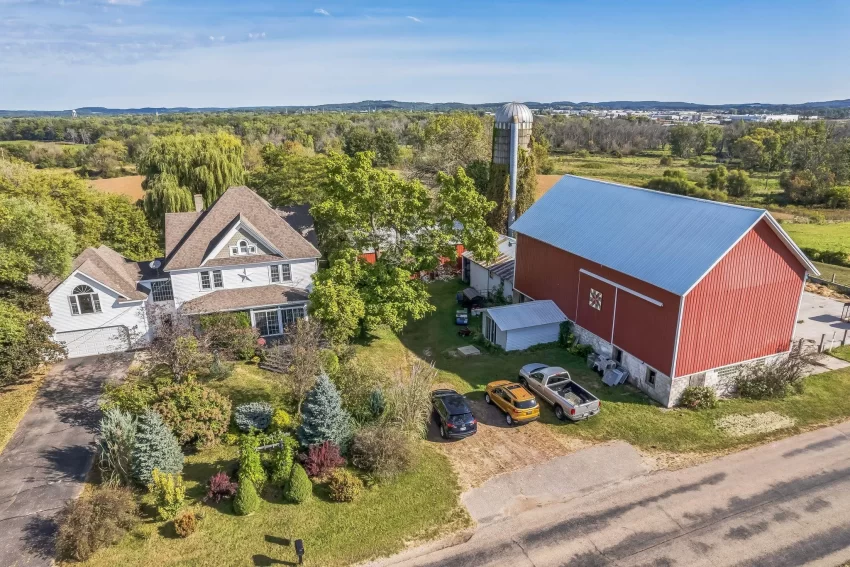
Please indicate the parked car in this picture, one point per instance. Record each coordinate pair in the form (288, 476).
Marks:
(554, 384)
(518, 404)
(453, 414)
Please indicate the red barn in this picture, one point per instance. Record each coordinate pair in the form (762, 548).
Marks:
(680, 290)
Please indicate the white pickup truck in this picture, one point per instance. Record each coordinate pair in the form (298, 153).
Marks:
(554, 384)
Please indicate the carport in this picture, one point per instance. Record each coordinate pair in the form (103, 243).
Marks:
(523, 325)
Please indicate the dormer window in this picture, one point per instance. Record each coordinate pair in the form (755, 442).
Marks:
(84, 300)
(243, 248)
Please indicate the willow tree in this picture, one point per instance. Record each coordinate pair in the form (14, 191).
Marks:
(177, 166)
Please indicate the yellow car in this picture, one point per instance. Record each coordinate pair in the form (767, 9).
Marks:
(513, 399)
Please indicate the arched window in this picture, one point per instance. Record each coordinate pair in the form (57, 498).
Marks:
(243, 246)
(84, 300)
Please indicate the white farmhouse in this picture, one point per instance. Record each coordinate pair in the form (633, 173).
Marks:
(490, 277)
(239, 255)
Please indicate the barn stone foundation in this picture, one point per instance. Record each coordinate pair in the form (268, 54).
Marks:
(667, 391)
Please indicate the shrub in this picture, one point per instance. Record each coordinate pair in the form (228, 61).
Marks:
(168, 492)
(329, 361)
(698, 397)
(323, 418)
(220, 487)
(383, 452)
(197, 415)
(117, 438)
(230, 334)
(133, 396)
(220, 370)
(717, 178)
(95, 520)
(344, 486)
(299, 489)
(566, 338)
(666, 161)
(582, 154)
(185, 523)
(377, 403)
(738, 183)
(320, 460)
(581, 350)
(247, 501)
(774, 379)
(280, 462)
(281, 421)
(254, 415)
(355, 382)
(250, 466)
(156, 448)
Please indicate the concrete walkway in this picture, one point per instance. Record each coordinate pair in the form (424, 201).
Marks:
(783, 504)
(49, 456)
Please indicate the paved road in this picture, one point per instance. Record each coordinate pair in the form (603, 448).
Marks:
(47, 459)
(783, 504)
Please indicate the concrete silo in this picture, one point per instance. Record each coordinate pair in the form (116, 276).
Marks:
(511, 132)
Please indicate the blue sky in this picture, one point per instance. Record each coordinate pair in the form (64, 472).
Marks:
(59, 54)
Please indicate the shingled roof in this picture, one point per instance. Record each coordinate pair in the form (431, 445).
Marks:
(189, 237)
(243, 298)
(106, 266)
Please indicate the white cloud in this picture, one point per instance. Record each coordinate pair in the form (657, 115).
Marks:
(126, 2)
(216, 38)
(415, 19)
(258, 35)
(321, 11)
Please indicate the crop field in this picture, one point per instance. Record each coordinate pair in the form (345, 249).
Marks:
(130, 185)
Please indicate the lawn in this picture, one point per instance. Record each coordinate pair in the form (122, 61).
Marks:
(418, 505)
(14, 402)
(831, 236)
(827, 271)
(627, 414)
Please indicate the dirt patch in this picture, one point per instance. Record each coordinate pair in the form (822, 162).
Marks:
(129, 185)
(825, 291)
(498, 448)
(665, 461)
(738, 425)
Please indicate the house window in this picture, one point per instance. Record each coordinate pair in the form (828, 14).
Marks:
(650, 376)
(243, 248)
(267, 322)
(211, 280)
(595, 299)
(84, 301)
(280, 273)
(291, 314)
(161, 291)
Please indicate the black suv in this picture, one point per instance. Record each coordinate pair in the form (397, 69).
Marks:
(453, 414)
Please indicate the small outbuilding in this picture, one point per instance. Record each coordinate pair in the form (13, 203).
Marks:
(522, 325)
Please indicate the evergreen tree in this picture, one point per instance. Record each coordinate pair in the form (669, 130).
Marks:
(323, 418)
(156, 448)
(299, 489)
(246, 501)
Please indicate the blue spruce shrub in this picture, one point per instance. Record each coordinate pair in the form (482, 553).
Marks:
(254, 415)
(155, 447)
(322, 416)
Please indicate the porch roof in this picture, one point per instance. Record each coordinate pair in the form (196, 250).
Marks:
(244, 298)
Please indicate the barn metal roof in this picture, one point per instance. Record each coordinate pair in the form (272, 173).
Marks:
(670, 241)
(523, 315)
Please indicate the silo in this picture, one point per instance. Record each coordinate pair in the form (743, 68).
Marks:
(511, 132)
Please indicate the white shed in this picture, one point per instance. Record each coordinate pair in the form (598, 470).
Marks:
(522, 325)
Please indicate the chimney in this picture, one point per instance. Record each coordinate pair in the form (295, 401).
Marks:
(199, 202)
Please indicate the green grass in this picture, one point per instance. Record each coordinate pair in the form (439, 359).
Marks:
(638, 170)
(842, 273)
(842, 352)
(420, 504)
(832, 236)
(627, 414)
(14, 402)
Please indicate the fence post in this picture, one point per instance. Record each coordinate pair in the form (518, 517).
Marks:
(844, 340)
(833, 277)
(822, 339)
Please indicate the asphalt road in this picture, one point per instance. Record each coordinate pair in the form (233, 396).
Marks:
(47, 459)
(783, 504)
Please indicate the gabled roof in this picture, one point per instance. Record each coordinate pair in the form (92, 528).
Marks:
(503, 265)
(299, 218)
(189, 237)
(670, 241)
(529, 314)
(105, 266)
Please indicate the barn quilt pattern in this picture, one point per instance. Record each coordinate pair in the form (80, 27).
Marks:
(596, 299)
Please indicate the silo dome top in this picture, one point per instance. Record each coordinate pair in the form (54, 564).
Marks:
(506, 113)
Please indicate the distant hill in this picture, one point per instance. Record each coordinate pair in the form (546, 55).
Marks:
(376, 105)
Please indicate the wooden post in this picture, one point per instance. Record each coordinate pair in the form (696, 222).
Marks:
(822, 339)
(844, 340)
(833, 277)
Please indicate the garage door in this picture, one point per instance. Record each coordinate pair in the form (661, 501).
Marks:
(88, 342)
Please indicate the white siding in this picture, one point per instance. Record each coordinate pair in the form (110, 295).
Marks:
(521, 339)
(187, 283)
(113, 314)
(480, 279)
